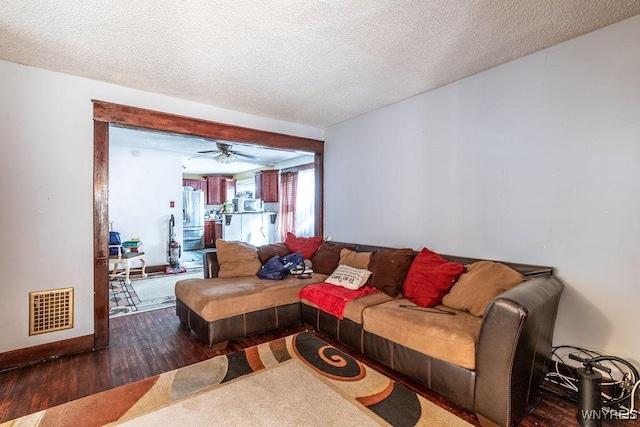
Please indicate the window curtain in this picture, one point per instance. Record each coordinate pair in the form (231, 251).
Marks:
(304, 217)
(288, 196)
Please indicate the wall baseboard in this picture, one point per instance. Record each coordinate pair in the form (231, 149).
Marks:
(39, 353)
(156, 268)
(148, 269)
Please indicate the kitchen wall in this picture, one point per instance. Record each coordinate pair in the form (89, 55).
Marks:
(535, 161)
(46, 185)
(302, 160)
(142, 183)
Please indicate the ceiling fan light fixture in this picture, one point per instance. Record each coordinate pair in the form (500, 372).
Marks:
(225, 158)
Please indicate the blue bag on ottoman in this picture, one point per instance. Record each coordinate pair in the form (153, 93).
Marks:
(277, 268)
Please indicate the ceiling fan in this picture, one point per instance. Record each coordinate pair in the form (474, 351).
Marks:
(226, 155)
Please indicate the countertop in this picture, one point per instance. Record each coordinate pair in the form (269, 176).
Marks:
(240, 213)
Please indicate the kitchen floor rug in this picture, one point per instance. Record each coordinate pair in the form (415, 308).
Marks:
(144, 294)
(297, 380)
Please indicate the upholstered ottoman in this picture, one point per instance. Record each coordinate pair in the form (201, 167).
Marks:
(220, 309)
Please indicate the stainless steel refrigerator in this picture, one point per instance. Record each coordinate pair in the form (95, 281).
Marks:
(192, 219)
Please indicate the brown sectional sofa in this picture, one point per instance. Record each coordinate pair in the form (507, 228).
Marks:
(491, 365)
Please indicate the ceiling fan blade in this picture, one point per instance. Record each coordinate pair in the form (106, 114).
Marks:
(245, 155)
(198, 156)
(208, 151)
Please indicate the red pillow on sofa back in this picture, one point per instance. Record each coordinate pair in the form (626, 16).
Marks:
(307, 246)
(429, 278)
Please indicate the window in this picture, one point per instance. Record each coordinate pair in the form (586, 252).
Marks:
(246, 186)
(297, 202)
(305, 203)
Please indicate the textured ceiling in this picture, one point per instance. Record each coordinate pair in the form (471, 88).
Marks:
(196, 163)
(315, 62)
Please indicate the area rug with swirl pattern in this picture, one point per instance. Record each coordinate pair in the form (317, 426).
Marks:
(291, 381)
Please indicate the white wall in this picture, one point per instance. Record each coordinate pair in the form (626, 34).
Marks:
(142, 183)
(303, 160)
(46, 187)
(535, 161)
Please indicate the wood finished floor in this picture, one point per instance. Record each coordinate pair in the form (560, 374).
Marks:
(150, 343)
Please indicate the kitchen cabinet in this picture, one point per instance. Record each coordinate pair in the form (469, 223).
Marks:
(197, 184)
(209, 234)
(267, 185)
(212, 232)
(220, 188)
(229, 191)
(217, 231)
(214, 190)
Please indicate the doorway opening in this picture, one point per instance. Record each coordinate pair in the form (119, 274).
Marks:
(106, 114)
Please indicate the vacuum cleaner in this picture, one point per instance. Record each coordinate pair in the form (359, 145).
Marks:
(174, 251)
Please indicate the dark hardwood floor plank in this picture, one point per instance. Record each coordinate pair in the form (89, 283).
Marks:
(150, 343)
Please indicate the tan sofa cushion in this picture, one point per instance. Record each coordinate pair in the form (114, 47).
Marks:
(237, 259)
(479, 285)
(449, 338)
(355, 259)
(353, 310)
(219, 298)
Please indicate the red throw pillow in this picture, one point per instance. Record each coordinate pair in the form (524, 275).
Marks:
(307, 246)
(429, 278)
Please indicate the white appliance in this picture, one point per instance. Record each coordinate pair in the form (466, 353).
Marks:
(248, 205)
(231, 227)
(255, 228)
(271, 218)
(192, 219)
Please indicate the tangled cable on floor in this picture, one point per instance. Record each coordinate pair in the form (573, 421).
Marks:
(619, 387)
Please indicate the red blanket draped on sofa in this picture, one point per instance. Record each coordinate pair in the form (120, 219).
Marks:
(333, 299)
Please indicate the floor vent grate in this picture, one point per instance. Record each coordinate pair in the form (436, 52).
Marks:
(50, 310)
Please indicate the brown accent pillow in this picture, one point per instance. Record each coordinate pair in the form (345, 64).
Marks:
(479, 285)
(388, 268)
(327, 257)
(355, 259)
(266, 252)
(237, 259)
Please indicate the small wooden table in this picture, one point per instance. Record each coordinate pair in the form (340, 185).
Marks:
(125, 259)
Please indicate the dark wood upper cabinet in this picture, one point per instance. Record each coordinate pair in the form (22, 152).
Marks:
(220, 188)
(229, 191)
(197, 184)
(214, 190)
(267, 185)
